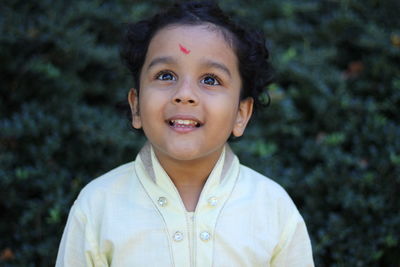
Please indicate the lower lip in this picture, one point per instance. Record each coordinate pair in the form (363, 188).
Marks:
(184, 129)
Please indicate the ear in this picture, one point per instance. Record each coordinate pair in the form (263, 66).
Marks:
(243, 116)
(133, 100)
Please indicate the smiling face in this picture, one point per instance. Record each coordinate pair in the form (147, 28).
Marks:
(188, 104)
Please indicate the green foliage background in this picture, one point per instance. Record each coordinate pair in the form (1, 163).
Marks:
(330, 137)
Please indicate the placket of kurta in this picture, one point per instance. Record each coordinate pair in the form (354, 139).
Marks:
(212, 200)
(191, 238)
(170, 207)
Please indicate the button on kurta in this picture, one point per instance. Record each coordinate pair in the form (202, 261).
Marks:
(213, 201)
(162, 201)
(205, 236)
(178, 236)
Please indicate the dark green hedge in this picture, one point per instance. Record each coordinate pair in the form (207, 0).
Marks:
(331, 136)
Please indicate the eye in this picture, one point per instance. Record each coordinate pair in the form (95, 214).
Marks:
(210, 79)
(165, 76)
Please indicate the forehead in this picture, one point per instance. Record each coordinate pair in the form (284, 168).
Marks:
(201, 29)
(193, 41)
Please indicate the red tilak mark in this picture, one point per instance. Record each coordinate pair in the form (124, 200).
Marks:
(183, 49)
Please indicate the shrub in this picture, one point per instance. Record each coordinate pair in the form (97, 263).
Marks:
(330, 137)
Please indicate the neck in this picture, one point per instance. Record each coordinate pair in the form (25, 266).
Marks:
(189, 172)
(189, 177)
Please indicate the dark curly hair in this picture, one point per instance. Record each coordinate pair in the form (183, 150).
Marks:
(249, 45)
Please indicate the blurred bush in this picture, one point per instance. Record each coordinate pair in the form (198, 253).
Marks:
(330, 137)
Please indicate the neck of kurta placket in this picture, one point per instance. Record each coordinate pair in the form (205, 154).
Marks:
(162, 179)
(214, 178)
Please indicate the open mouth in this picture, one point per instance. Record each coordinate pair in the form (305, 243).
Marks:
(184, 123)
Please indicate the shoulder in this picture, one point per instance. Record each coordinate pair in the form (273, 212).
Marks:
(109, 185)
(112, 180)
(266, 194)
(260, 182)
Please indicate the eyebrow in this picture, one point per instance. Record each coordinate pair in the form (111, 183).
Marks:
(217, 65)
(207, 63)
(161, 60)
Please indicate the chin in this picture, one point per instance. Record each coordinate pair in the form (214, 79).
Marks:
(185, 154)
(181, 152)
(184, 150)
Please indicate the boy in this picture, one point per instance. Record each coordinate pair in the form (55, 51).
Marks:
(186, 200)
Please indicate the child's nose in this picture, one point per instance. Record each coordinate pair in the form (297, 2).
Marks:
(186, 93)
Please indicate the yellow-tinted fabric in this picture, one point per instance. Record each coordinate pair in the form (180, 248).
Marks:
(134, 216)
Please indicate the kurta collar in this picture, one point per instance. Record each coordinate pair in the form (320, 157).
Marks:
(225, 169)
(183, 228)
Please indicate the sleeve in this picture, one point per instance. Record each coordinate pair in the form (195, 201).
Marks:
(294, 248)
(77, 247)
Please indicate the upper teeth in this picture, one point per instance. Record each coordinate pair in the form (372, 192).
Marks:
(185, 122)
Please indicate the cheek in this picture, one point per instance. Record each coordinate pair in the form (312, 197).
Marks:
(146, 99)
(225, 111)
(151, 106)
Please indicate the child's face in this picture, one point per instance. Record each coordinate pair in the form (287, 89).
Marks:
(188, 102)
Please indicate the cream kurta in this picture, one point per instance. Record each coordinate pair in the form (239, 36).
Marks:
(134, 216)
